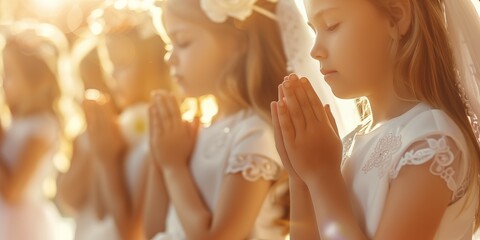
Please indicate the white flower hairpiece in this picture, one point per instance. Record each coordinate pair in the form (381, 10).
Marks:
(133, 123)
(220, 10)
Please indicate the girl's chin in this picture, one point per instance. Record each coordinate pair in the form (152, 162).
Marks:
(344, 93)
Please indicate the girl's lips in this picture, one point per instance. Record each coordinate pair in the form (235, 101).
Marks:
(328, 75)
(326, 72)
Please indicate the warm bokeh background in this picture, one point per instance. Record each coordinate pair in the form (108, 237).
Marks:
(70, 16)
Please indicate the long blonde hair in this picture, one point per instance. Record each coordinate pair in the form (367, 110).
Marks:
(427, 69)
(252, 79)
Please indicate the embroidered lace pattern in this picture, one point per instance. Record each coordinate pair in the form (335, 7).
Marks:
(382, 154)
(253, 167)
(443, 163)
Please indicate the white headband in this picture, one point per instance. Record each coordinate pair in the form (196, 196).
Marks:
(219, 10)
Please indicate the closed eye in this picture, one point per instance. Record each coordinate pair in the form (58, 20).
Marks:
(333, 27)
(183, 44)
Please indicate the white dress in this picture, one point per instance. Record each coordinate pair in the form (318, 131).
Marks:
(89, 227)
(34, 217)
(422, 135)
(241, 143)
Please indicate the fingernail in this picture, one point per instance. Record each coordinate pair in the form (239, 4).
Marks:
(287, 84)
(281, 103)
(303, 80)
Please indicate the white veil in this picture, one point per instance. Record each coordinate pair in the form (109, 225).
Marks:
(463, 25)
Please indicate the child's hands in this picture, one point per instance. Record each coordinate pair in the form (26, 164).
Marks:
(172, 140)
(279, 143)
(103, 131)
(308, 131)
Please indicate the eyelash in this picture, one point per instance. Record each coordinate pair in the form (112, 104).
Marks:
(333, 27)
(183, 44)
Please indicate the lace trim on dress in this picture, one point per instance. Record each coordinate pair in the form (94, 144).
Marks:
(382, 154)
(442, 159)
(254, 167)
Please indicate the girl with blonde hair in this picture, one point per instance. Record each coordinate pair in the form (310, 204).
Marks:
(131, 54)
(226, 181)
(31, 56)
(78, 191)
(411, 170)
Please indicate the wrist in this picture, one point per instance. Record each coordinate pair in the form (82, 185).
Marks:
(297, 183)
(172, 174)
(324, 180)
(174, 167)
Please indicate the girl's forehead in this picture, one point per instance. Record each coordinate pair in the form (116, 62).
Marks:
(315, 7)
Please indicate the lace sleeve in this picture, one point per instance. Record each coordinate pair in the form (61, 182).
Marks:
(254, 167)
(445, 158)
(253, 152)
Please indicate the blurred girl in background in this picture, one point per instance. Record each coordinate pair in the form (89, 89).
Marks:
(78, 192)
(132, 55)
(30, 54)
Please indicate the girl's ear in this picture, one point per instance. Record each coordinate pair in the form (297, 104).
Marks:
(401, 12)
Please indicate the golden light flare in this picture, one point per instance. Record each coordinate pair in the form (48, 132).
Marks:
(61, 162)
(205, 108)
(209, 108)
(47, 6)
(49, 187)
(96, 95)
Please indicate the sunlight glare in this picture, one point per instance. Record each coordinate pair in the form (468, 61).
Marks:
(47, 7)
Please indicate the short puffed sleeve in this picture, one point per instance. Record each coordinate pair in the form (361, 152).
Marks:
(254, 154)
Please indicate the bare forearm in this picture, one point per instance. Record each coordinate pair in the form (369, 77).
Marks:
(111, 180)
(302, 215)
(156, 202)
(333, 210)
(192, 211)
(99, 203)
(74, 187)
